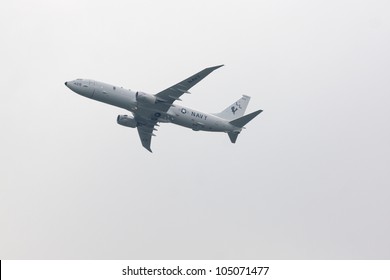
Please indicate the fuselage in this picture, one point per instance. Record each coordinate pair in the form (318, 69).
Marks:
(127, 99)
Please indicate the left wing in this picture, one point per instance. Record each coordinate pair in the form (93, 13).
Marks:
(173, 93)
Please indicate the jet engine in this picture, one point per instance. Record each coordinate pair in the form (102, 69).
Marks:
(146, 98)
(126, 120)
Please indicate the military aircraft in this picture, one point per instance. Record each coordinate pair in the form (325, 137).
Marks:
(150, 109)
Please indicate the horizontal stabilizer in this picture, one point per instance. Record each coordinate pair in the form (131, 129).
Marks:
(241, 122)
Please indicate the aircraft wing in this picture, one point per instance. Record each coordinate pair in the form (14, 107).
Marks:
(173, 93)
(145, 131)
(145, 134)
(146, 115)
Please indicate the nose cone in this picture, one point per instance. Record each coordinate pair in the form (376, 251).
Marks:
(72, 85)
(82, 87)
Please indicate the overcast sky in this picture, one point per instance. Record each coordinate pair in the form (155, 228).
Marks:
(308, 179)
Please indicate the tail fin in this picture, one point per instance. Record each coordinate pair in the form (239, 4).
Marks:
(236, 110)
(240, 122)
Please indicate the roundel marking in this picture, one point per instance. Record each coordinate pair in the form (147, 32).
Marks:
(183, 111)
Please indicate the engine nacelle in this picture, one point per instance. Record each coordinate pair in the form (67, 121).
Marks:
(145, 98)
(126, 120)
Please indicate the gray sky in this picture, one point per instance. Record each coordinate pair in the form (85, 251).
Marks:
(308, 179)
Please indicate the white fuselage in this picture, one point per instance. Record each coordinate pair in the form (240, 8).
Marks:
(127, 99)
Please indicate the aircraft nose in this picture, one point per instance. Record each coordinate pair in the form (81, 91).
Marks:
(66, 83)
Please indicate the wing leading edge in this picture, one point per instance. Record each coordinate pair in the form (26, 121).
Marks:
(173, 93)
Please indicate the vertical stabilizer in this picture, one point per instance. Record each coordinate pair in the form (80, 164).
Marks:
(236, 110)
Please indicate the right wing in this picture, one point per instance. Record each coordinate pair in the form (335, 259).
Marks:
(145, 134)
(145, 129)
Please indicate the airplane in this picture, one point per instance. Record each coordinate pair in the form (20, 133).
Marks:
(150, 109)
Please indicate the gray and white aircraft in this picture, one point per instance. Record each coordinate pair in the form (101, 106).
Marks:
(150, 109)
